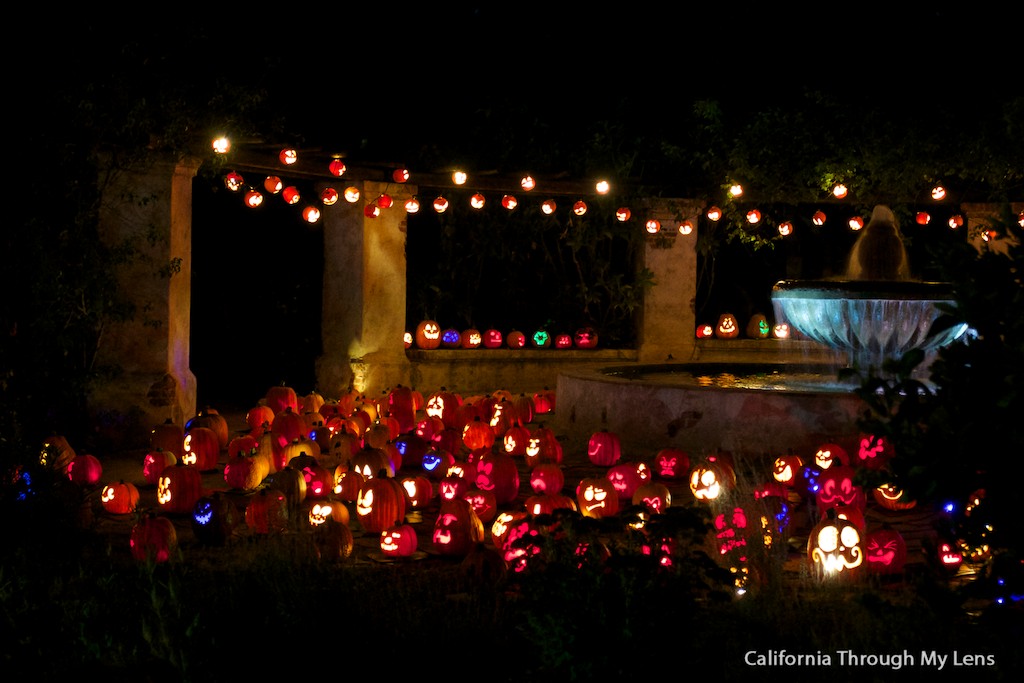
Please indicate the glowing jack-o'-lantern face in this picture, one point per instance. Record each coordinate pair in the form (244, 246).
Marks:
(418, 491)
(885, 551)
(493, 339)
(892, 497)
(563, 341)
(727, 327)
(483, 502)
(541, 339)
(786, 468)
(730, 534)
(585, 338)
(451, 339)
(873, 452)
(836, 487)
(705, 331)
(829, 454)
(780, 331)
(597, 498)
(428, 334)
(654, 496)
(399, 541)
(671, 463)
(706, 482)
(163, 491)
(950, 557)
(758, 327)
(834, 547)
(471, 338)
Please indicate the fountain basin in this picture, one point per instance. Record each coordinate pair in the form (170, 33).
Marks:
(872, 321)
(740, 407)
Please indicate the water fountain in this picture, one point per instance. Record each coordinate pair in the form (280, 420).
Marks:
(874, 314)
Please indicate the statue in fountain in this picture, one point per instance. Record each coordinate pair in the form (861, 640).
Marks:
(879, 253)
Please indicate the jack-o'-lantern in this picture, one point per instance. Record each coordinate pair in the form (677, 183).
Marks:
(711, 480)
(515, 339)
(604, 448)
(178, 488)
(543, 446)
(214, 520)
(950, 558)
(85, 469)
(541, 339)
(120, 498)
(201, 449)
(484, 503)
(56, 453)
(245, 472)
(347, 483)
(453, 486)
(153, 539)
(292, 483)
(443, 404)
(547, 503)
(596, 498)
(829, 454)
(493, 339)
(435, 463)
(478, 434)
(758, 327)
(786, 469)
(503, 523)
(155, 462)
(515, 440)
(625, 477)
(373, 462)
(892, 497)
(427, 334)
(563, 341)
(419, 491)
(837, 486)
(885, 550)
(654, 496)
(544, 402)
(705, 331)
(731, 531)
(727, 327)
(497, 472)
(457, 528)
(451, 338)
(333, 541)
(471, 338)
(835, 547)
(671, 463)
(547, 477)
(502, 416)
(399, 540)
(380, 503)
(585, 338)
(873, 452)
(320, 512)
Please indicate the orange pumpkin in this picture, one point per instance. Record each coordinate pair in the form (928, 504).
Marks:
(380, 503)
(178, 488)
(153, 538)
(120, 498)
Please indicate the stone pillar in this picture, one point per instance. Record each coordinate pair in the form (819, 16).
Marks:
(149, 210)
(364, 294)
(667, 326)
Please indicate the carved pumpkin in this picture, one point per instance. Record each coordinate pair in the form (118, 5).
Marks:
(427, 334)
(436, 462)
(471, 338)
(727, 327)
(478, 434)
(885, 550)
(373, 462)
(497, 472)
(585, 338)
(786, 469)
(835, 547)
(178, 488)
(547, 503)
(214, 519)
(547, 477)
(543, 446)
(758, 327)
(484, 503)
(347, 483)
(401, 407)
(671, 463)
(399, 540)
(245, 472)
(836, 486)
(711, 480)
(829, 454)
(153, 538)
(280, 397)
(653, 495)
(516, 439)
(291, 482)
(457, 528)
(85, 469)
(626, 477)
(493, 339)
(120, 498)
(596, 498)
(892, 497)
(451, 338)
(604, 448)
(515, 339)
(202, 449)
(873, 452)
(320, 512)
(155, 462)
(380, 503)
(419, 491)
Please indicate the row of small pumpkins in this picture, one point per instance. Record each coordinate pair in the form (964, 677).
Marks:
(430, 335)
(310, 458)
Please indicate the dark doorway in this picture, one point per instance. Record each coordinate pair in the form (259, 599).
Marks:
(257, 287)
